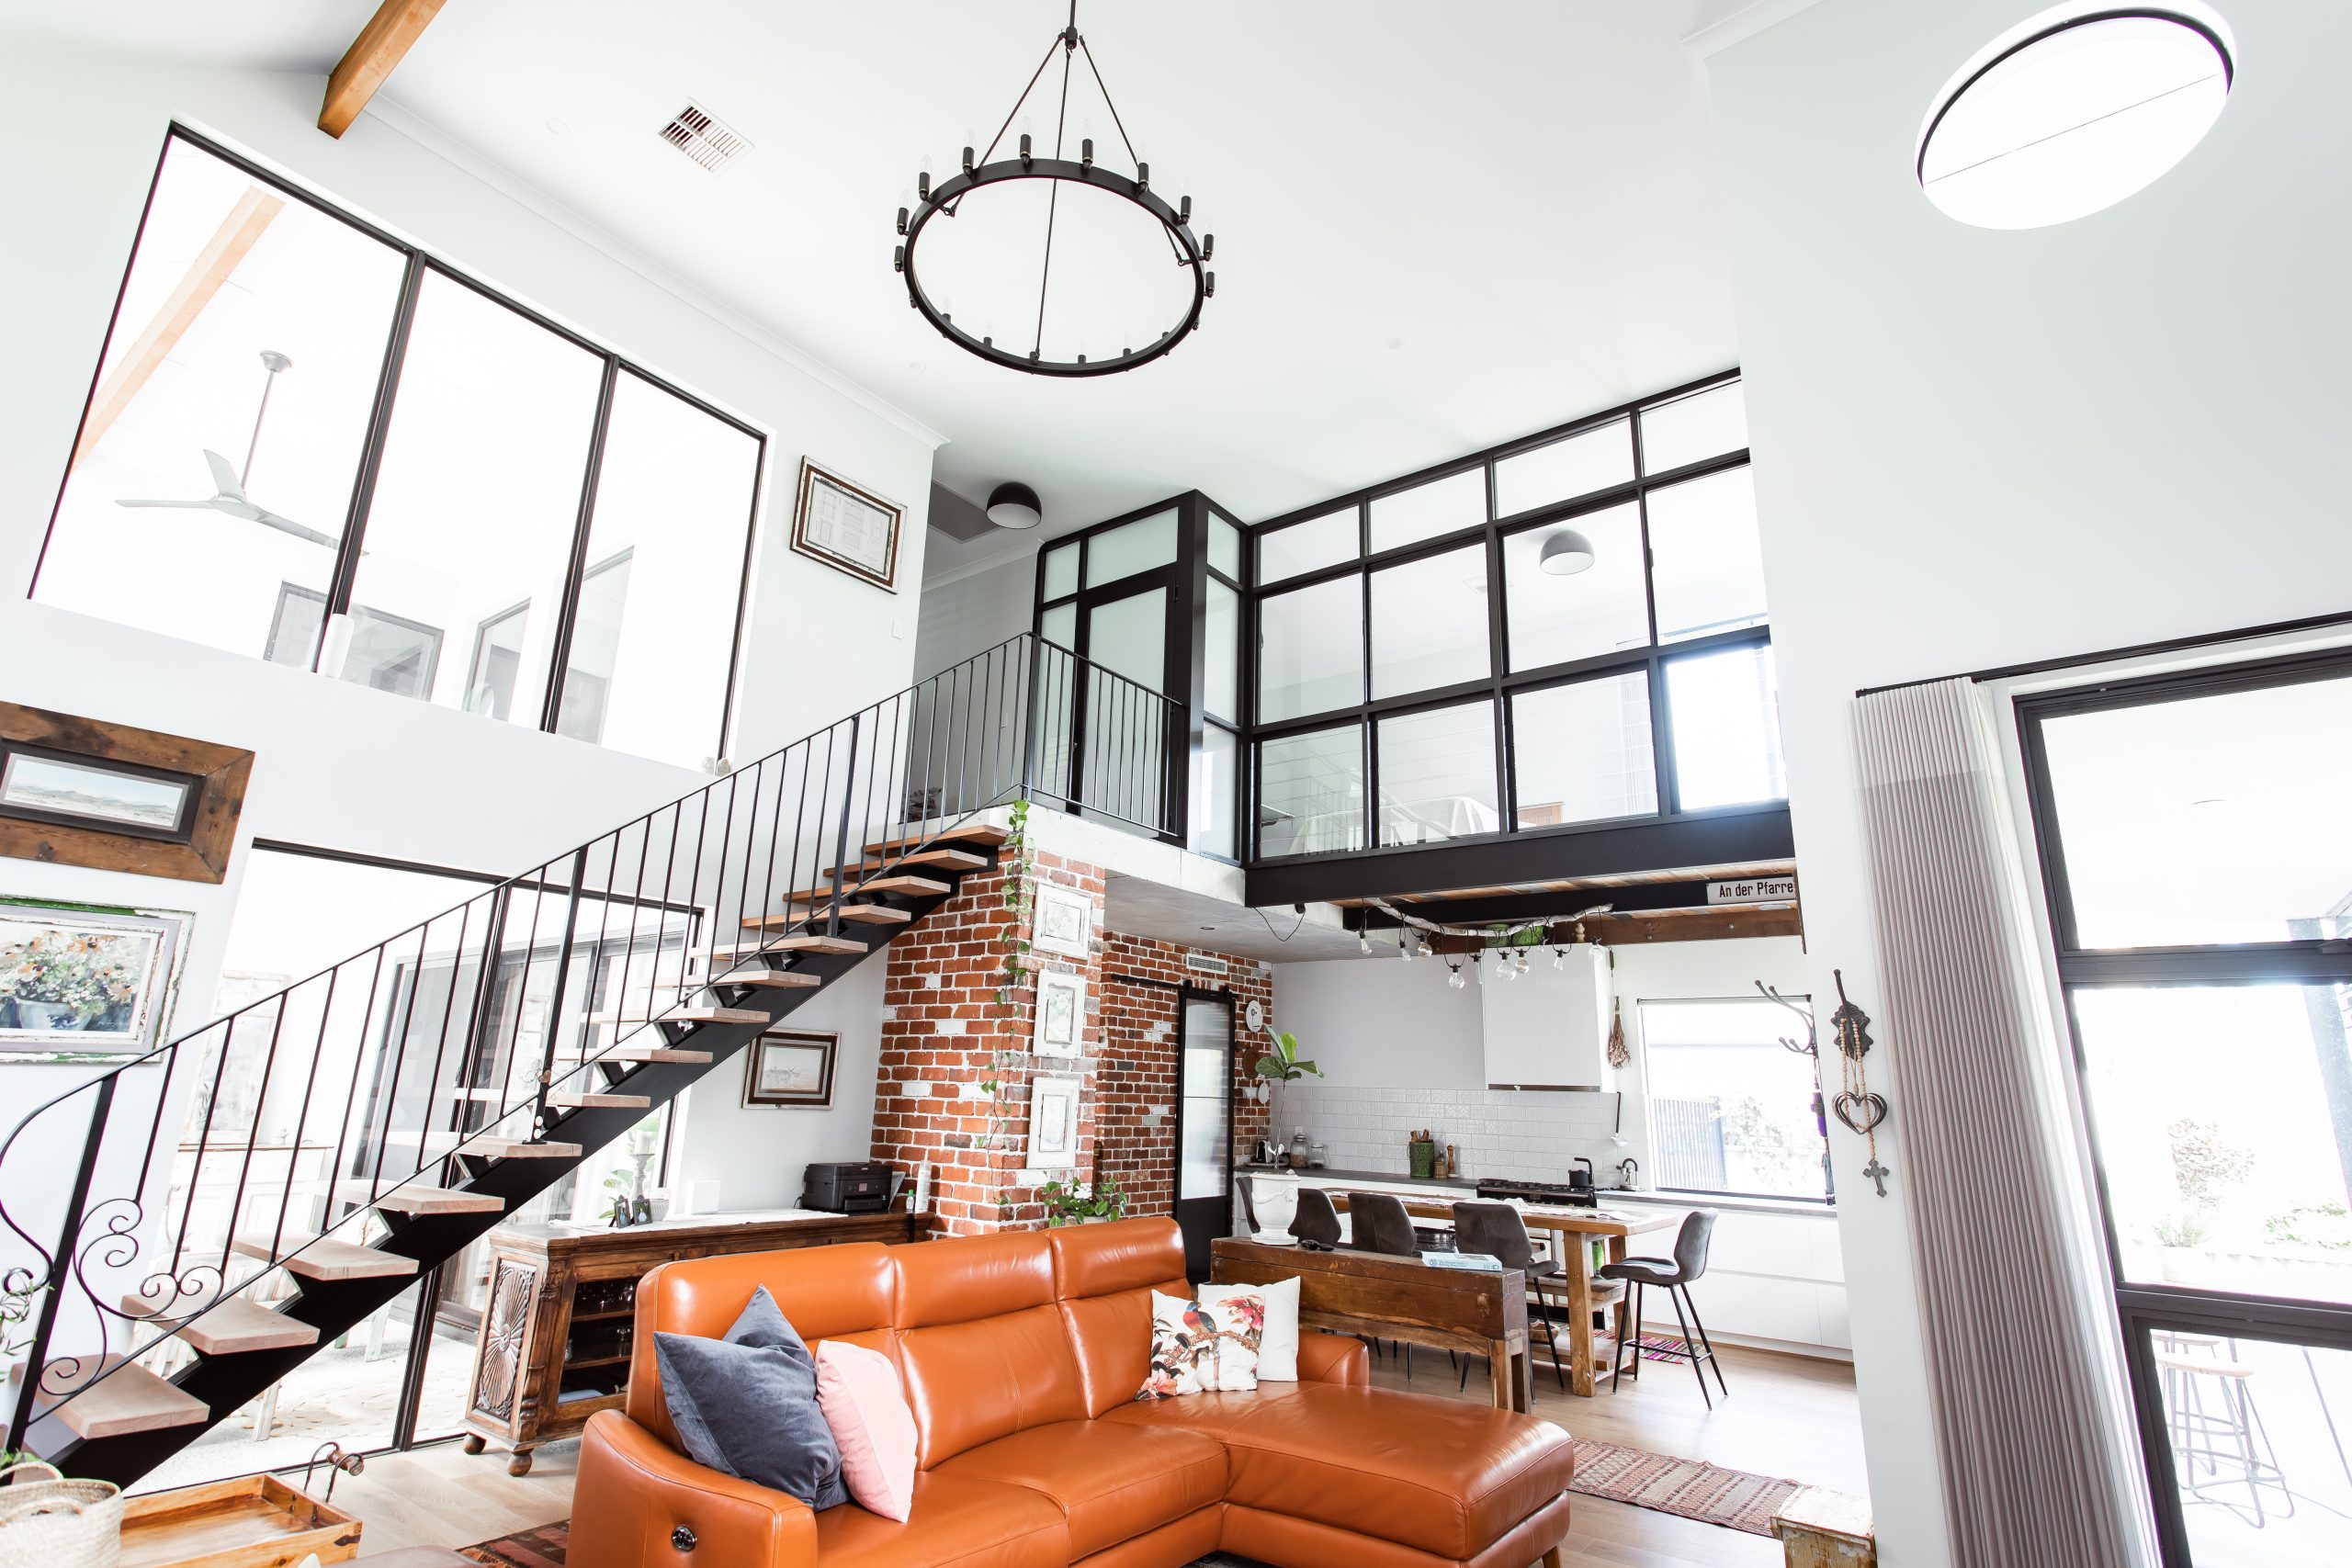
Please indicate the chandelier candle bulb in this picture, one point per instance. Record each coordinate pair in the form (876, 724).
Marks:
(922, 186)
(1143, 176)
(1027, 156)
(1085, 154)
(1184, 209)
(902, 226)
(967, 160)
(1209, 246)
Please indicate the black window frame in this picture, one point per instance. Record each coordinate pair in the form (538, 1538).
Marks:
(1500, 682)
(416, 260)
(2145, 1309)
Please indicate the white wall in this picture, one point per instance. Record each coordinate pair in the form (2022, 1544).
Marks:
(968, 613)
(757, 1153)
(1976, 447)
(338, 765)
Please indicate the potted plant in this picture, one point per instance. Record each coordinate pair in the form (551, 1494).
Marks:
(1067, 1203)
(1282, 1064)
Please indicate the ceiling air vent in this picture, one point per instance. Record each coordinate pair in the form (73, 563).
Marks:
(704, 137)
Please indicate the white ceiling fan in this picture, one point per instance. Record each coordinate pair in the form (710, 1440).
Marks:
(231, 486)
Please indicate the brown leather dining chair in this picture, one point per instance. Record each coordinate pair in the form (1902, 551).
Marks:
(1499, 1231)
(1315, 1225)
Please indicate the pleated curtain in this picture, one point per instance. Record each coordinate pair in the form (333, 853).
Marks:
(2041, 1465)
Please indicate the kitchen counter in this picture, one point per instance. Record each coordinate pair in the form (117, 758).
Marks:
(1385, 1177)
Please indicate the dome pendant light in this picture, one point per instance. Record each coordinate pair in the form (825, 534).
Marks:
(1567, 553)
(1015, 506)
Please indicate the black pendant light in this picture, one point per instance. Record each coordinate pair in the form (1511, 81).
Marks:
(945, 198)
(1014, 505)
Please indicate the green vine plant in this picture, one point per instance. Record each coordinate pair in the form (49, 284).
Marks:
(1068, 1203)
(1017, 857)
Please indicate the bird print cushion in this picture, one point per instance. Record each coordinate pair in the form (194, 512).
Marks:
(1201, 1346)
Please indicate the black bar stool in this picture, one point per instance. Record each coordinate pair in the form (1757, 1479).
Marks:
(1675, 1273)
(1377, 1222)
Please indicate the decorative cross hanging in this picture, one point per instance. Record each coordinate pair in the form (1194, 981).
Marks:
(1856, 1106)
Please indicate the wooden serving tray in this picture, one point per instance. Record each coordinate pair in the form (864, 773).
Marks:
(254, 1521)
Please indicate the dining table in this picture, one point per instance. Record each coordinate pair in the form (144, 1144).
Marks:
(1572, 1231)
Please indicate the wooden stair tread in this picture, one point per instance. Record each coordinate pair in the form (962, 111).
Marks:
(953, 860)
(487, 1094)
(684, 1015)
(768, 979)
(326, 1258)
(970, 833)
(620, 1054)
(897, 884)
(805, 941)
(418, 1198)
(478, 1146)
(597, 1100)
(128, 1399)
(876, 914)
(233, 1326)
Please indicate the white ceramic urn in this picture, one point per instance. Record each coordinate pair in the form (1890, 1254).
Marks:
(1274, 1195)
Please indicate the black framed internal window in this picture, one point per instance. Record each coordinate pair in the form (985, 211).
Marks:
(1580, 612)
(312, 442)
(2199, 886)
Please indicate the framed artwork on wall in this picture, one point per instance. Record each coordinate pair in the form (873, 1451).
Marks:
(1061, 1013)
(849, 529)
(790, 1067)
(1053, 1120)
(1063, 922)
(86, 982)
(84, 792)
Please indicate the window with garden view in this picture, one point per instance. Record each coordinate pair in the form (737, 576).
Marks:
(1732, 1110)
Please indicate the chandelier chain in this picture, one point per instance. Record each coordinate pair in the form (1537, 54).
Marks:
(1053, 189)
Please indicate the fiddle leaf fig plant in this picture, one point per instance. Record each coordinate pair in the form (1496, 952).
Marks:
(1282, 1064)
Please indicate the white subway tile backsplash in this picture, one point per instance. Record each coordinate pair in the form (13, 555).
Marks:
(1501, 1134)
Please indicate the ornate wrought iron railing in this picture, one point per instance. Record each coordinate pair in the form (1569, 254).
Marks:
(161, 1188)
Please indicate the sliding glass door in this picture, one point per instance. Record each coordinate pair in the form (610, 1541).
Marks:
(2198, 851)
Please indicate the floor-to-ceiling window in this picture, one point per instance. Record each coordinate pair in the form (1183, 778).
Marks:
(2199, 871)
(1564, 632)
(314, 444)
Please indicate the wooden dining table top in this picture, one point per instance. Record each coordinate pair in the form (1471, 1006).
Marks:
(1547, 1217)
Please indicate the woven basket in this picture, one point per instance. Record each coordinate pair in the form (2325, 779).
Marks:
(59, 1523)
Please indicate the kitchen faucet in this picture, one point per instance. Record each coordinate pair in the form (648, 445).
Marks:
(1626, 1170)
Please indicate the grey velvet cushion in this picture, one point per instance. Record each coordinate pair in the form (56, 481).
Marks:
(747, 1404)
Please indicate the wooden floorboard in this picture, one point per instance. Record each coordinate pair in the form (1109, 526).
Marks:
(1787, 1416)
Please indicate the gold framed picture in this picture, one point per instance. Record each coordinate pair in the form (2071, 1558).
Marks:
(790, 1067)
(848, 528)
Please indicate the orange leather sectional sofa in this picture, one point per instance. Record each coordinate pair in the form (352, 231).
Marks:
(1020, 1356)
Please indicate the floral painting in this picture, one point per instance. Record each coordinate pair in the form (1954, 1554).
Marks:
(78, 980)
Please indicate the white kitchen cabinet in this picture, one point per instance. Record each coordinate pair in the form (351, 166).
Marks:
(1549, 1027)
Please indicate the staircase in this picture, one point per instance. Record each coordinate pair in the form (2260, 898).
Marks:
(443, 1079)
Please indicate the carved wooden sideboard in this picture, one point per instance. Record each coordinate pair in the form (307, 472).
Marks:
(556, 1330)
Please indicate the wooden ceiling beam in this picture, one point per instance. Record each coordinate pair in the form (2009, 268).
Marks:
(390, 34)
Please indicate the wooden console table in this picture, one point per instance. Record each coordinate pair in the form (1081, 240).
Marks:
(556, 1329)
(1474, 1312)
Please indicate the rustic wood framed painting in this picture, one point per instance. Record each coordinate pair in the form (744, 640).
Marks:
(86, 982)
(1061, 1013)
(1053, 1120)
(78, 790)
(849, 529)
(791, 1066)
(1063, 922)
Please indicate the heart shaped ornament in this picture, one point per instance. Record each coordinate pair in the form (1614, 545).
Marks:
(1861, 1112)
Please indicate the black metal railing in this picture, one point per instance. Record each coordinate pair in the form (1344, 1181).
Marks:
(157, 1189)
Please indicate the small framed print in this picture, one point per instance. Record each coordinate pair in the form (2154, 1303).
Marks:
(791, 1066)
(1063, 922)
(1053, 1120)
(1061, 1013)
(849, 529)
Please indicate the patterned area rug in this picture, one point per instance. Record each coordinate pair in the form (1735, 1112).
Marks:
(1688, 1487)
(1732, 1498)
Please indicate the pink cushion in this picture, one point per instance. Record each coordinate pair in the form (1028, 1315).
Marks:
(858, 1391)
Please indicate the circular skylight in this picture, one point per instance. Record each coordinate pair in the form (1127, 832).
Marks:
(2065, 118)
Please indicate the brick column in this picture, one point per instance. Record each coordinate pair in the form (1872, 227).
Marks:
(946, 1037)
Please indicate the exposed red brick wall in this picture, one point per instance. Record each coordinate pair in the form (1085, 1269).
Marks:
(945, 1035)
(1135, 1079)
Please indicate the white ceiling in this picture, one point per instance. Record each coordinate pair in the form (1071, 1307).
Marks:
(1437, 227)
(1139, 906)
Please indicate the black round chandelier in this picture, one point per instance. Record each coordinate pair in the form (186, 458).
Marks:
(946, 199)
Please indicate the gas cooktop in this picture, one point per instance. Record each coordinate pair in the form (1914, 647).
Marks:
(1559, 1194)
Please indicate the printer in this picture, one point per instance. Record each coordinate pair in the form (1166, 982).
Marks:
(848, 1187)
